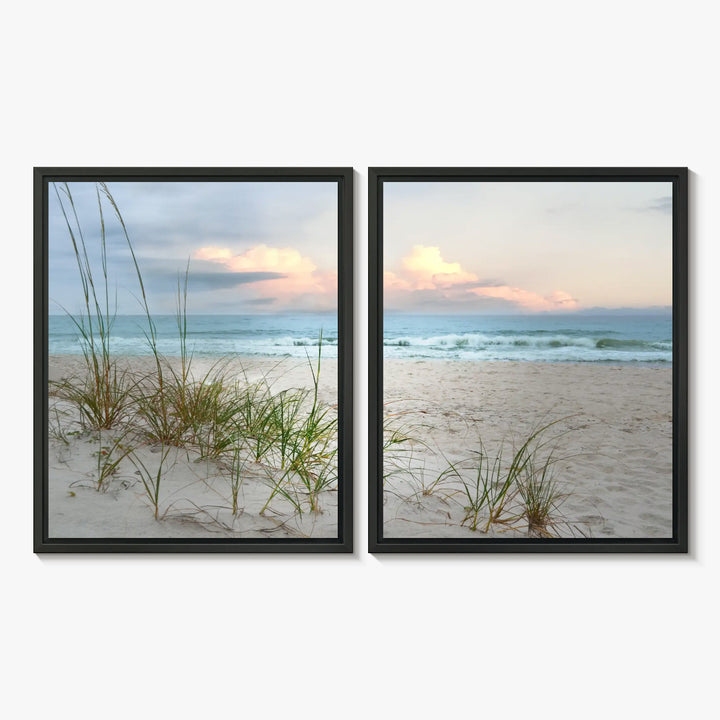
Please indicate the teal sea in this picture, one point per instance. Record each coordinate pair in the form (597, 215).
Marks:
(576, 338)
(209, 335)
(645, 339)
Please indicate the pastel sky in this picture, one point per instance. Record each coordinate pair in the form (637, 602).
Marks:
(253, 246)
(525, 247)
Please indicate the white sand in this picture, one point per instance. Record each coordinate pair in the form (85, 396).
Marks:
(617, 466)
(195, 496)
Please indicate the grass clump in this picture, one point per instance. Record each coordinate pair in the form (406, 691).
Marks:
(508, 490)
(541, 497)
(305, 442)
(102, 402)
(315, 445)
(109, 456)
(237, 468)
(255, 412)
(151, 479)
(497, 486)
(400, 439)
(102, 395)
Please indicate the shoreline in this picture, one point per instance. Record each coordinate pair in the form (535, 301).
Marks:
(591, 363)
(239, 358)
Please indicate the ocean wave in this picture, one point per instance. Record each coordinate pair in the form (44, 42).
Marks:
(531, 346)
(305, 341)
(526, 340)
(217, 346)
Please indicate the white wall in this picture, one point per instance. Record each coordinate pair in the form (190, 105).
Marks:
(361, 84)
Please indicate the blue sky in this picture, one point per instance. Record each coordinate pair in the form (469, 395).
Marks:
(253, 246)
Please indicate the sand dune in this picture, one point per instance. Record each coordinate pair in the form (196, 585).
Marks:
(195, 497)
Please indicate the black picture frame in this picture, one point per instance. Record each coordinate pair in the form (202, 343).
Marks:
(678, 543)
(343, 176)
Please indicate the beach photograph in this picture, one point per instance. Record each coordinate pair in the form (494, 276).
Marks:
(527, 360)
(193, 360)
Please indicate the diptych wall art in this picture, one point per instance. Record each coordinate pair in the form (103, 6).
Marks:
(528, 359)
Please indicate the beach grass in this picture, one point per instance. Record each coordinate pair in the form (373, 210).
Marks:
(236, 475)
(400, 438)
(57, 426)
(102, 395)
(151, 478)
(305, 441)
(503, 493)
(500, 489)
(542, 497)
(112, 449)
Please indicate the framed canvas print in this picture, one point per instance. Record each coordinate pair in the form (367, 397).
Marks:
(528, 366)
(193, 359)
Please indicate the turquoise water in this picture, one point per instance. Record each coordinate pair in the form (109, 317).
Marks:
(209, 335)
(534, 338)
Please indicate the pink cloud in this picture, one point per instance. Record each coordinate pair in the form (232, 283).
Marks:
(425, 269)
(302, 280)
(528, 300)
(394, 282)
(260, 258)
